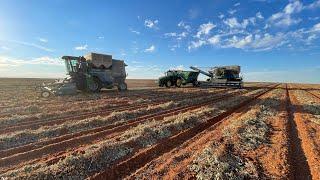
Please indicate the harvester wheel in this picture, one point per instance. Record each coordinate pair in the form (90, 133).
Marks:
(178, 82)
(168, 84)
(45, 94)
(95, 85)
(122, 87)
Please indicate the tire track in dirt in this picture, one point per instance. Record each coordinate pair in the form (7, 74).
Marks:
(127, 166)
(299, 167)
(73, 141)
(313, 94)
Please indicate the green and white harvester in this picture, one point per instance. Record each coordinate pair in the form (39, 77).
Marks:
(88, 73)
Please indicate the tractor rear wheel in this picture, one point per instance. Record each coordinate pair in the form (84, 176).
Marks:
(95, 85)
(122, 87)
(178, 82)
(168, 84)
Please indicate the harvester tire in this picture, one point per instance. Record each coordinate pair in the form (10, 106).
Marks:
(178, 82)
(122, 87)
(95, 86)
(45, 94)
(168, 84)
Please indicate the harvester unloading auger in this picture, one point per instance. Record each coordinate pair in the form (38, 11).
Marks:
(88, 73)
(221, 76)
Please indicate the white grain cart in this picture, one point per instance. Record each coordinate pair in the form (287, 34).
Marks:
(222, 76)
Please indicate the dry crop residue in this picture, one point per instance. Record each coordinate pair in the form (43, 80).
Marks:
(174, 133)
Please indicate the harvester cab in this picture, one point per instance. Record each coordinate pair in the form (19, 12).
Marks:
(73, 64)
(78, 70)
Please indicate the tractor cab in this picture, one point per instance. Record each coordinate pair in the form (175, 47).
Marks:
(178, 78)
(171, 73)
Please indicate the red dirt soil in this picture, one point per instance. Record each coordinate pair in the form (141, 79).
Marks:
(309, 142)
(174, 165)
(289, 114)
(141, 158)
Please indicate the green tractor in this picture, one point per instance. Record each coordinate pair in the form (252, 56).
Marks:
(178, 78)
(88, 73)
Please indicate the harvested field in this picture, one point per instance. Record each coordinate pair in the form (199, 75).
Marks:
(263, 131)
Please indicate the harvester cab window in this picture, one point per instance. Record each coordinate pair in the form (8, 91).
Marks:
(68, 67)
(74, 65)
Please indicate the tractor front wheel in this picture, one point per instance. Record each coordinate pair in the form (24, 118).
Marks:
(168, 84)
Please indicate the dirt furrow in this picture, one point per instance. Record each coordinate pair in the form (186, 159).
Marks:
(180, 157)
(57, 106)
(76, 140)
(127, 166)
(176, 163)
(56, 121)
(93, 98)
(29, 147)
(104, 95)
(26, 137)
(35, 112)
(313, 94)
(299, 167)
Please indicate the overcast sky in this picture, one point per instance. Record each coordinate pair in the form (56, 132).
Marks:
(272, 40)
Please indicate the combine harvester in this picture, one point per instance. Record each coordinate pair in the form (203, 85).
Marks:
(221, 76)
(88, 73)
